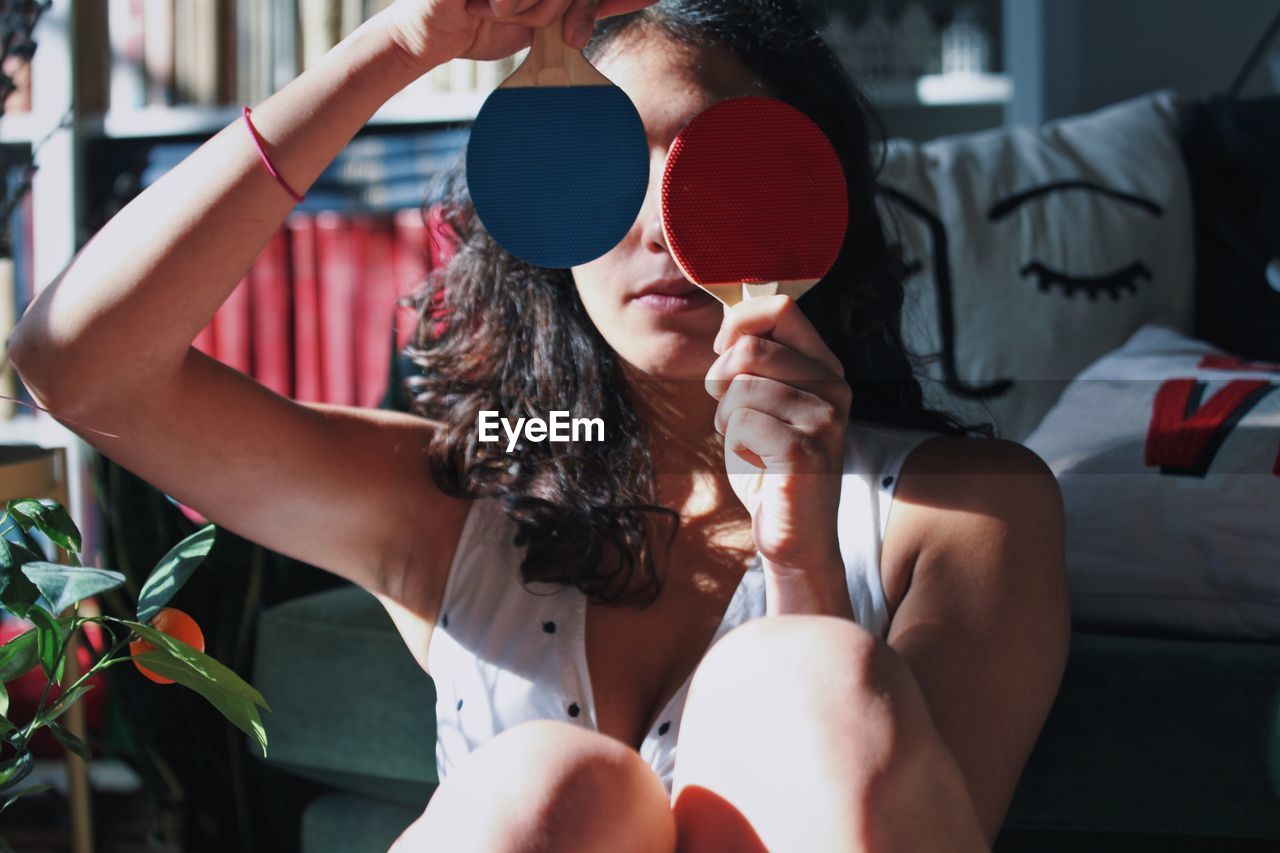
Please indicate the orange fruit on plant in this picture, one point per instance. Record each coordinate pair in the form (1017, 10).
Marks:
(175, 623)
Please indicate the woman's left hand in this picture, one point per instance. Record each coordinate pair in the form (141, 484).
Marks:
(784, 408)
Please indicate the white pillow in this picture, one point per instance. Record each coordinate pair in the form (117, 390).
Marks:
(1114, 215)
(1167, 452)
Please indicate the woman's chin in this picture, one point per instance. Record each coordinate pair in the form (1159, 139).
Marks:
(684, 364)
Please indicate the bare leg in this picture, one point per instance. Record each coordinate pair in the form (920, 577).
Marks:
(811, 733)
(546, 786)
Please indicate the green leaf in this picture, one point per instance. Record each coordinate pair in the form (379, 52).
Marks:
(64, 702)
(63, 586)
(17, 593)
(15, 770)
(4, 701)
(172, 572)
(34, 789)
(18, 656)
(48, 643)
(239, 710)
(6, 726)
(198, 662)
(21, 653)
(71, 742)
(52, 520)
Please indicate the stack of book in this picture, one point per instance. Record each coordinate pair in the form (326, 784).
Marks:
(158, 53)
(316, 318)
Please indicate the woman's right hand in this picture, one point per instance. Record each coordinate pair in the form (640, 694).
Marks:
(431, 32)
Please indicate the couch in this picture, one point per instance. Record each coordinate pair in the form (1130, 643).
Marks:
(1159, 739)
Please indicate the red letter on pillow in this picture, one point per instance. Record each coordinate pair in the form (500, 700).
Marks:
(1184, 435)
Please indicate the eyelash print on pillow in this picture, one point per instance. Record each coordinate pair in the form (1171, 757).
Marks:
(1115, 283)
(1111, 283)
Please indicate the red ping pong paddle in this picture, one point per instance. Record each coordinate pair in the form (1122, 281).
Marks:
(754, 203)
(754, 200)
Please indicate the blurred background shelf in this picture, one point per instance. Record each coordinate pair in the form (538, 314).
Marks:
(20, 128)
(943, 90)
(36, 429)
(105, 774)
(420, 104)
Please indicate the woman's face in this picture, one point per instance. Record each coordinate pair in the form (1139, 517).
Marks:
(649, 313)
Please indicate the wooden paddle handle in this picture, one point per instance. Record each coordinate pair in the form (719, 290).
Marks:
(551, 62)
(795, 289)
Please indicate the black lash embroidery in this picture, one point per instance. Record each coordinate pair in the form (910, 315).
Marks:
(1111, 284)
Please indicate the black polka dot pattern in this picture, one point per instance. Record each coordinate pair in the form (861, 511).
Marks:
(573, 710)
(549, 627)
(444, 621)
(664, 728)
(459, 704)
(887, 481)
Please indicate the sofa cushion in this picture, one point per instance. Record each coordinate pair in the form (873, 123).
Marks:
(1036, 251)
(1156, 735)
(347, 823)
(1167, 452)
(350, 706)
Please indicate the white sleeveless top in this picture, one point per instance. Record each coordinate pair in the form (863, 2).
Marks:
(501, 654)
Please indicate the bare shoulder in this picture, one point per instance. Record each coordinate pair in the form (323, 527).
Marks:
(959, 489)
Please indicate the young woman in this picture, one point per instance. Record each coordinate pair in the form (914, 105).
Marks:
(632, 651)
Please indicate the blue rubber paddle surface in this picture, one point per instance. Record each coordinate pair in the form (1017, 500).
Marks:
(557, 174)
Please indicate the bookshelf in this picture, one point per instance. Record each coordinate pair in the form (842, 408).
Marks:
(926, 76)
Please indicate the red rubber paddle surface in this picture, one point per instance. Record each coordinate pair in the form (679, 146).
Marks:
(753, 192)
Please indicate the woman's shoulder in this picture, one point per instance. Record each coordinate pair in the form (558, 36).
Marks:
(971, 456)
(944, 478)
(874, 447)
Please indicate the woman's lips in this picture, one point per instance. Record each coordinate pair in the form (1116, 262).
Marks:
(676, 302)
(673, 303)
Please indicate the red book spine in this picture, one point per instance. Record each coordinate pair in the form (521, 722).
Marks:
(233, 328)
(375, 309)
(410, 261)
(308, 375)
(335, 266)
(272, 322)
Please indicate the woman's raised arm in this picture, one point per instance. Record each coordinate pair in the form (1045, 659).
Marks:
(107, 347)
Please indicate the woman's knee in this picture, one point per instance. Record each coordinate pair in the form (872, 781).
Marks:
(793, 662)
(548, 785)
(825, 705)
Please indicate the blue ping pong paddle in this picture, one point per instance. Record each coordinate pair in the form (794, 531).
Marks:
(557, 161)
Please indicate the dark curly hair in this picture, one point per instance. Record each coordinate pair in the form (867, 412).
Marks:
(518, 340)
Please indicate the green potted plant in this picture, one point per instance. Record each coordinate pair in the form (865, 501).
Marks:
(162, 642)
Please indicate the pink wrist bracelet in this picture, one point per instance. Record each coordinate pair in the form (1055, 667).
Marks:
(266, 161)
